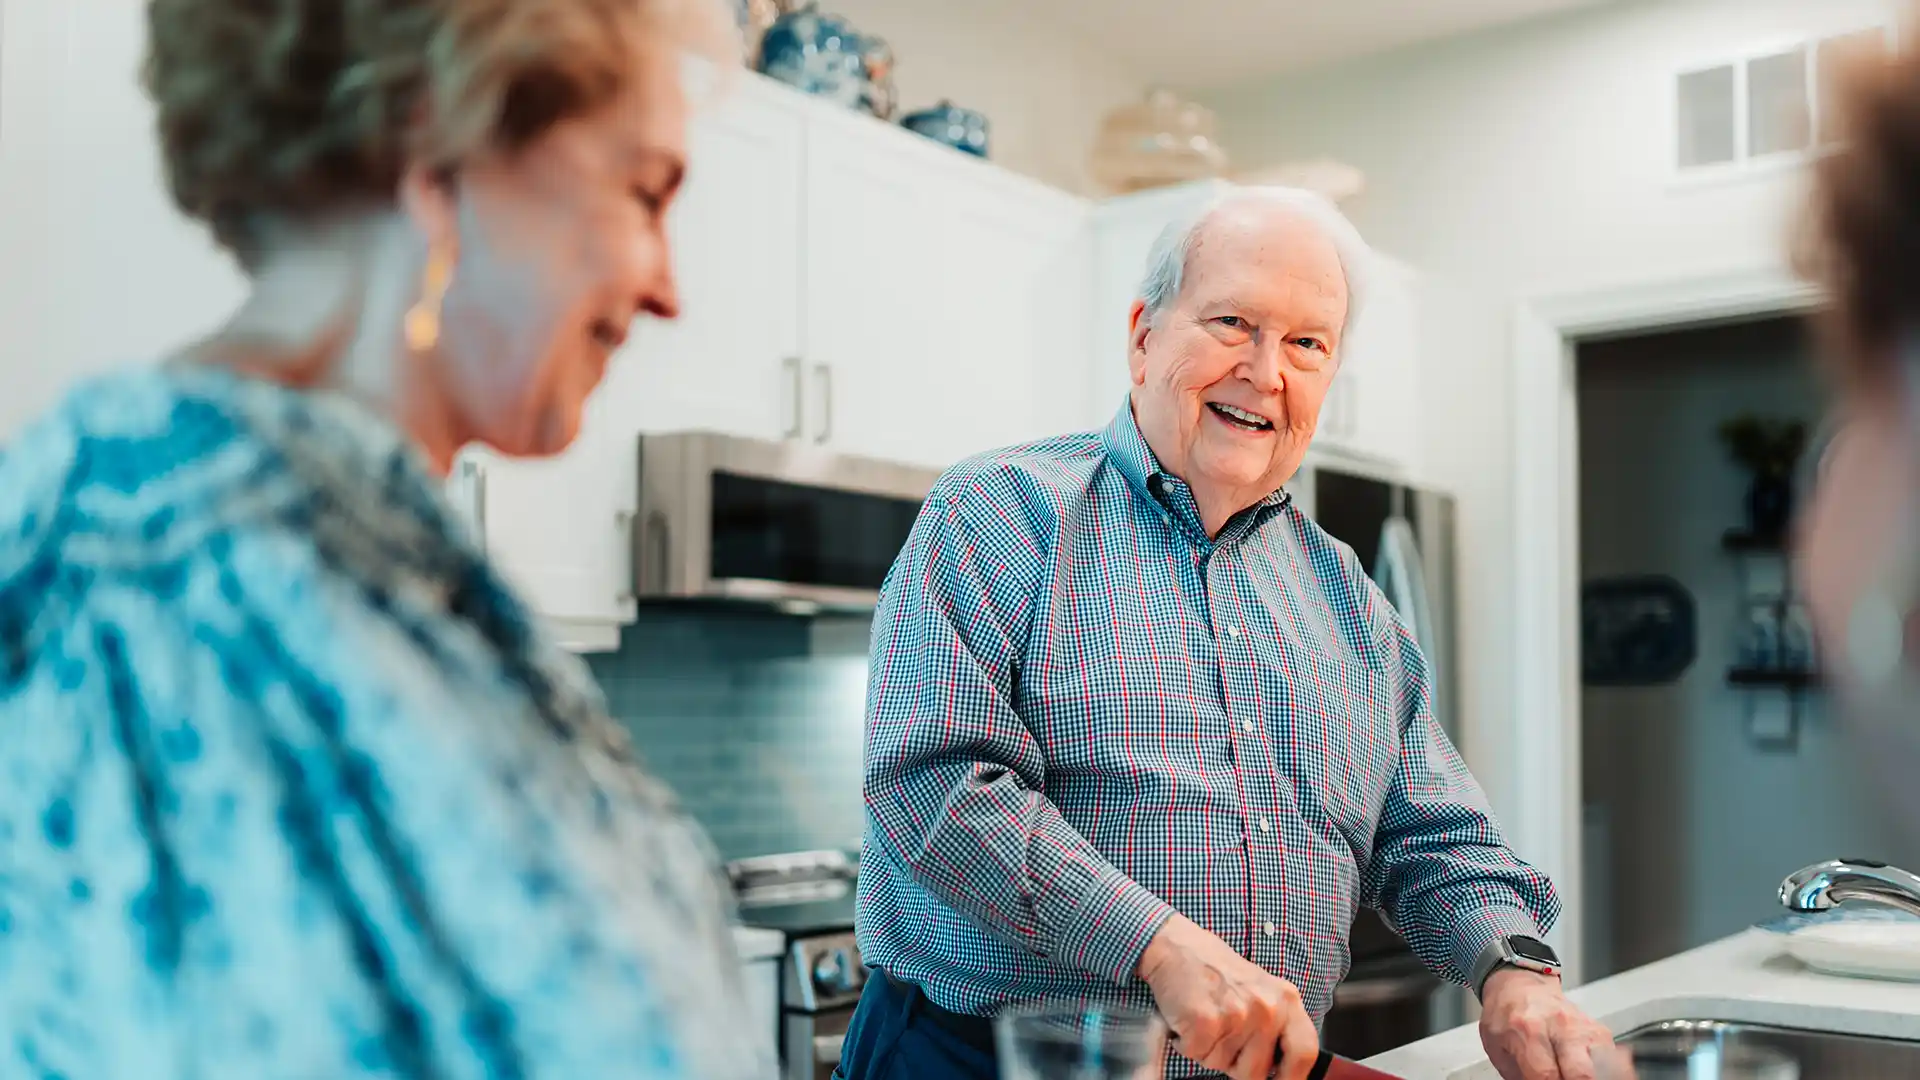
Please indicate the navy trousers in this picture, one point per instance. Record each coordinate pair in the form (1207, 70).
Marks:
(891, 1037)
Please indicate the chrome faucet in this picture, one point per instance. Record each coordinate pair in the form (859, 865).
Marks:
(1822, 885)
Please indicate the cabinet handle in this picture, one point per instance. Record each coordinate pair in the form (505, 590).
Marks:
(796, 422)
(823, 375)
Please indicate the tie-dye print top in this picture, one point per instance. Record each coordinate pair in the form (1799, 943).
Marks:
(292, 786)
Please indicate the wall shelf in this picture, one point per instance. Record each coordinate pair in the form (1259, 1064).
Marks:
(1763, 677)
(1743, 541)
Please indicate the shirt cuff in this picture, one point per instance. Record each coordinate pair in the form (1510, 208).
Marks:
(1480, 929)
(1110, 927)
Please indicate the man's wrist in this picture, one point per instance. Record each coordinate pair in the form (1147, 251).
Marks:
(1504, 979)
(1163, 945)
(1512, 951)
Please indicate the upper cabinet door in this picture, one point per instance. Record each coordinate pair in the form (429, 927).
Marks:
(1014, 302)
(1379, 381)
(560, 528)
(944, 299)
(873, 316)
(725, 363)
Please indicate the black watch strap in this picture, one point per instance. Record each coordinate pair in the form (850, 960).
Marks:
(1516, 950)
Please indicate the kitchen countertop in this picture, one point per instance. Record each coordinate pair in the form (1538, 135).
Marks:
(1747, 977)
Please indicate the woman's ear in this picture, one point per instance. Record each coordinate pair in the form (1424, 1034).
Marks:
(426, 196)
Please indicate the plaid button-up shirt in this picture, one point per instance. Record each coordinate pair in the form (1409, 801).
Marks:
(1083, 714)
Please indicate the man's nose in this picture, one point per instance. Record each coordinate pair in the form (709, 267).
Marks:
(1264, 367)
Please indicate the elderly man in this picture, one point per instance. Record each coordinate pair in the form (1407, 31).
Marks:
(1139, 731)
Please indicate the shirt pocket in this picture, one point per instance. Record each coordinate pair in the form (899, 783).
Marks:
(1338, 737)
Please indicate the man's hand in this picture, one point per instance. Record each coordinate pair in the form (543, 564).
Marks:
(1226, 1012)
(1532, 1032)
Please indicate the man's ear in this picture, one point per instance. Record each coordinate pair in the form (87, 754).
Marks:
(1138, 328)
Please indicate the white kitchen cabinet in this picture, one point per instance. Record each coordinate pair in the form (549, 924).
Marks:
(1014, 296)
(938, 292)
(725, 363)
(559, 528)
(1375, 398)
(871, 294)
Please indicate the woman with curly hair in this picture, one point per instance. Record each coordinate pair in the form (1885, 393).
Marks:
(294, 786)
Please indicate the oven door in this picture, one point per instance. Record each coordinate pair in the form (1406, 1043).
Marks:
(814, 1041)
(726, 518)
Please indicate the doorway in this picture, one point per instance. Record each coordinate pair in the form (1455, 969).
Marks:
(1709, 770)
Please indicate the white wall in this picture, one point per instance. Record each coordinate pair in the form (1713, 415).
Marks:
(1525, 160)
(1693, 804)
(1042, 92)
(73, 120)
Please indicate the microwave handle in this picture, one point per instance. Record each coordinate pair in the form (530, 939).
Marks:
(658, 545)
(796, 400)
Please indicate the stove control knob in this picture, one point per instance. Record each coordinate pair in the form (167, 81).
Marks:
(834, 973)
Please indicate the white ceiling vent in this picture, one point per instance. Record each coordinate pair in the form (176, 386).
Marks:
(1761, 108)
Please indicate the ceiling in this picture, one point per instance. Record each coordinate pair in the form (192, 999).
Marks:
(1203, 43)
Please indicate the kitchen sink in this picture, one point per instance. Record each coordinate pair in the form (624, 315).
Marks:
(1714, 1050)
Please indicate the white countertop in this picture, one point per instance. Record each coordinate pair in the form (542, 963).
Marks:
(756, 943)
(1747, 977)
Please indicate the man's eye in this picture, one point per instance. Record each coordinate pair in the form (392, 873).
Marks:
(1311, 343)
(1232, 321)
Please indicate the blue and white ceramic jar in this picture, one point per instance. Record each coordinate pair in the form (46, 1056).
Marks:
(822, 55)
(962, 129)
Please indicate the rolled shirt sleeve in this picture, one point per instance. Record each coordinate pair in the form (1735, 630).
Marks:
(955, 781)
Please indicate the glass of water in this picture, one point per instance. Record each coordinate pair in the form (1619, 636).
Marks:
(1080, 1041)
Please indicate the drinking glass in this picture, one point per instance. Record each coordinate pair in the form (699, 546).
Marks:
(1080, 1041)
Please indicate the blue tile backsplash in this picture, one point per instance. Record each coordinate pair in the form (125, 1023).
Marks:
(752, 717)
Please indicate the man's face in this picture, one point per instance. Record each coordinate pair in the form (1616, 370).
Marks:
(1229, 379)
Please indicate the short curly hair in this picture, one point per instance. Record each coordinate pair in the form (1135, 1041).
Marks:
(283, 109)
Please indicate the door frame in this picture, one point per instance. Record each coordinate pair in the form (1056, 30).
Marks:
(1545, 778)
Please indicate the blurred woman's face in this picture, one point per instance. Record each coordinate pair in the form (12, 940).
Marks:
(560, 247)
(1861, 503)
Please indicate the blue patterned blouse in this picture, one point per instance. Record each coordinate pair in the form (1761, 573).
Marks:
(293, 787)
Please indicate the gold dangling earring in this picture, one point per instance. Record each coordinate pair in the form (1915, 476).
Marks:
(423, 318)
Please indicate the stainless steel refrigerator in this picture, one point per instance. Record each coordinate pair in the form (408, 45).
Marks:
(1404, 536)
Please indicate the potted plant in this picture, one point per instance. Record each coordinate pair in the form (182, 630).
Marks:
(1769, 449)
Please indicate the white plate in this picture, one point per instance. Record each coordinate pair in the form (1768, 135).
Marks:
(1872, 950)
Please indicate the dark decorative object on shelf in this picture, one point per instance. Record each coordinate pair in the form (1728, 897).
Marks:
(823, 55)
(1770, 450)
(962, 129)
(1635, 631)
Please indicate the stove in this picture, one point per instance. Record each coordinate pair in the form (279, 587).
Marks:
(807, 897)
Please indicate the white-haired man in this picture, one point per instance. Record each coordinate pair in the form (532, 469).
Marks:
(1139, 731)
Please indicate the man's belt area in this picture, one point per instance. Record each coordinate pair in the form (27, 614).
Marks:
(975, 1031)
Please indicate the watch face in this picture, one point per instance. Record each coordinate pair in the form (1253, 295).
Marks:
(1533, 949)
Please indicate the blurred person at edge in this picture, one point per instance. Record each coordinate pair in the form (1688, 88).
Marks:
(1859, 539)
(295, 786)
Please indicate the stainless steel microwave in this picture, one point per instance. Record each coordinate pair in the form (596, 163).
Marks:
(720, 517)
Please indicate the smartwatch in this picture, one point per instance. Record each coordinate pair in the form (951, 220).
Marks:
(1516, 950)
